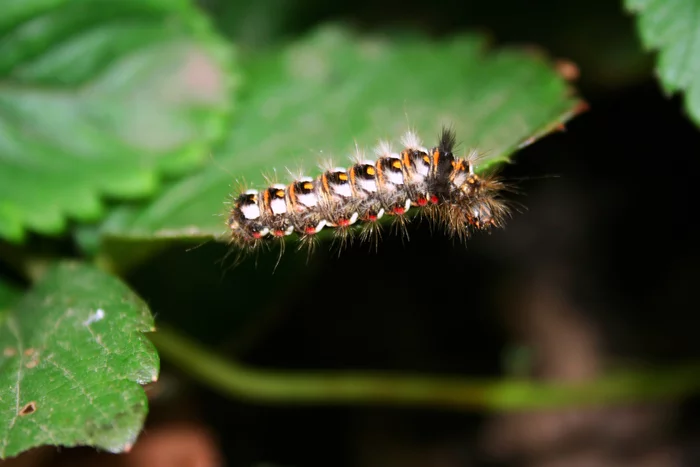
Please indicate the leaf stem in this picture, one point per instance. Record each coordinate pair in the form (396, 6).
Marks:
(326, 387)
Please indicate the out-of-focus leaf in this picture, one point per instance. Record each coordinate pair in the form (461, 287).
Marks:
(320, 96)
(673, 28)
(102, 98)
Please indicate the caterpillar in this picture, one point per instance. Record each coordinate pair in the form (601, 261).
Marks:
(444, 188)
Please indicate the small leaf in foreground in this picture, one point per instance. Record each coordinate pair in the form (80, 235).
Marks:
(316, 98)
(102, 98)
(73, 356)
(673, 28)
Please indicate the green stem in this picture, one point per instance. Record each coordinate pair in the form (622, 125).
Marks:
(285, 387)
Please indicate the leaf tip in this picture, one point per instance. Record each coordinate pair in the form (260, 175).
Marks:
(581, 107)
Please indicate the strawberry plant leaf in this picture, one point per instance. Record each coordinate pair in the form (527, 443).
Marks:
(102, 98)
(8, 295)
(672, 27)
(317, 97)
(73, 357)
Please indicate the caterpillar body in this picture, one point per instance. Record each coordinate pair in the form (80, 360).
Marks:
(445, 188)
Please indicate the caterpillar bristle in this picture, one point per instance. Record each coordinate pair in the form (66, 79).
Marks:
(410, 140)
(447, 140)
(308, 243)
(371, 234)
(444, 189)
(384, 149)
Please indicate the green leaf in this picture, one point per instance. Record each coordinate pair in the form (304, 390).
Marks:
(72, 361)
(673, 28)
(251, 23)
(8, 295)
(102, 98)
(319, 96)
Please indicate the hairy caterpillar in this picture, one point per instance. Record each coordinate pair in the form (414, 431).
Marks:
(445, 188)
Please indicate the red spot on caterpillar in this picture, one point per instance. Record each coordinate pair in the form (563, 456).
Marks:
(343, 223)
(310, 230)
(399, 211)
(421, 201)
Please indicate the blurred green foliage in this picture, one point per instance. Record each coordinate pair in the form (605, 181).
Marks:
(102, 98)
(672, 28)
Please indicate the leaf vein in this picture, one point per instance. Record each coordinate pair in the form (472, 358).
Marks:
(76, 384)
(12, 325)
